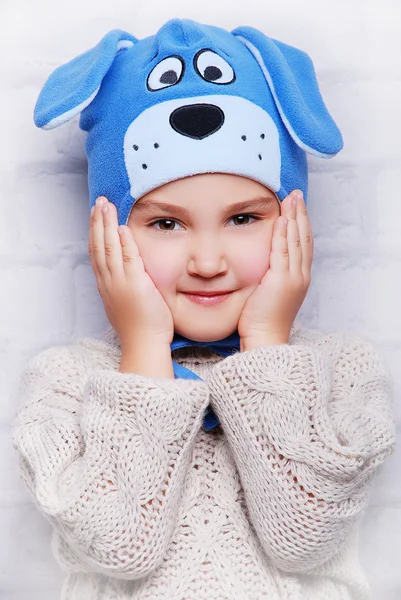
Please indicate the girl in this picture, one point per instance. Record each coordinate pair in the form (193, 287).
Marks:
(203, 276)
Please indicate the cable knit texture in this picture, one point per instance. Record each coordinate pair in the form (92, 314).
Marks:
(146, 504)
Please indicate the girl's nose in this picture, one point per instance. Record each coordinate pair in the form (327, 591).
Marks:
(207, 262)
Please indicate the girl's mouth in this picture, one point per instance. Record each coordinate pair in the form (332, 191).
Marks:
(207, 300)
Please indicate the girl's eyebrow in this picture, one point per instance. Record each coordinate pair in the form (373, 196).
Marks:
(258, 203)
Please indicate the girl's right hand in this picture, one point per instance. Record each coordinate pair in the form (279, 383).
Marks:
(134, 306)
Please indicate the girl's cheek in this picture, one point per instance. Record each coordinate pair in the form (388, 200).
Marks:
(252, 264)
(164, 269)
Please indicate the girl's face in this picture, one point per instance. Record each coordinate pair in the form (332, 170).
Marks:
(205, 241)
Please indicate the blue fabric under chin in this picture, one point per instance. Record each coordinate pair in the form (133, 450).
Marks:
(224, 347)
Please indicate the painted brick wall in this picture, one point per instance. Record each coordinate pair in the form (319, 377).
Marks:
(49, 293)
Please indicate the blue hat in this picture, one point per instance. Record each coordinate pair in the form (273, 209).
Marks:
(191, 99)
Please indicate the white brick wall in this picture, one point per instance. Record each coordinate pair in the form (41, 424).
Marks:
(49, 292)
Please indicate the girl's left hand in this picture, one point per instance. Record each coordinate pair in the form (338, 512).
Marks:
(270, 310)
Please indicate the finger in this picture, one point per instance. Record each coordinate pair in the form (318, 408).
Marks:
(112, 245)
(288, 208)
(306, 236)
(294, 247)
(90, 243)
(97, 241)
(279, 258)
(132, 260)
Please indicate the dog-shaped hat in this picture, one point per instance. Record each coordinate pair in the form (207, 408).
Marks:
(191, 99)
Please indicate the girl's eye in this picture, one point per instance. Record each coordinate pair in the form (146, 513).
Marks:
(169, 222)
(241, 217)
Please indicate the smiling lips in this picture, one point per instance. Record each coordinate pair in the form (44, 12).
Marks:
(207, 298)
(204, 293)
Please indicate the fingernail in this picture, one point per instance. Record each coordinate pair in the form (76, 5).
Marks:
(104, 207)
(294, 201)
(285, 221)
(99, 202)
(92, 209)
(300, 195)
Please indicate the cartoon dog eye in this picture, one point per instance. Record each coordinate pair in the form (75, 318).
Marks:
(213, 68)
(167, 72)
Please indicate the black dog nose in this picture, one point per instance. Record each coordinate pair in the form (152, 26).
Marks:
(197, 120)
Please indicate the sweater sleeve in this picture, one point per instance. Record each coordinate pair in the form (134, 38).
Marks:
(308, 431)
(105, 455)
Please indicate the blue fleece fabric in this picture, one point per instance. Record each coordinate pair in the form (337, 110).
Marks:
(191, 99)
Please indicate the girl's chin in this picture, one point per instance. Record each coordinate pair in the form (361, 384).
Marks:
(205, 334)
(207, 323)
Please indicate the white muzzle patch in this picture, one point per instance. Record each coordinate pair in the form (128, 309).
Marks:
(202, 134)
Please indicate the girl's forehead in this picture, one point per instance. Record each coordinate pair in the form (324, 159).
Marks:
(224, 186)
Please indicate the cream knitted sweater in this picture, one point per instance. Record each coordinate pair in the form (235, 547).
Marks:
(146, 504)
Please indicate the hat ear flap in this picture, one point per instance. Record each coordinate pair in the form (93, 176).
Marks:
(291, 77)
(73, 86)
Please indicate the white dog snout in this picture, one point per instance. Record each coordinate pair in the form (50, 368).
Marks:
(204, 134)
